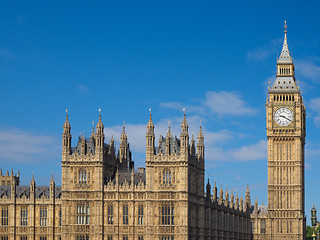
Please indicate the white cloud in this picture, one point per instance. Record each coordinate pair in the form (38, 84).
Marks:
(221, 103)
(262, 53)
(314, 105)
(227, 103)
(25, 147)
(308, 69)
(253, 152)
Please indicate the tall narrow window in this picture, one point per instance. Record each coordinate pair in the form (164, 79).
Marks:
(24, 238)
(167, 214)
(167, 177)
(262, 226)
(60, 216)
(140, 214)
(110, 238)
(125, 238)
(125, 214)
(43, 217)
(24, 217)
(4, 237)
(83, 212)
(140, 238)
(82, 177)
(110, 214)
(43, 238)
(4, 216)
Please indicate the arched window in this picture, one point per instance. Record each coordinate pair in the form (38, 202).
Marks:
(82, 177)
(167, 177)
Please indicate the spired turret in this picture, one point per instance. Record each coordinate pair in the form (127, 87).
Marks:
(150, 138)
(215, 192)
(100, 136)
(247, 201)
(208, 190)
(221, 196)
(66, 136)
(184, 136)
(200, 145)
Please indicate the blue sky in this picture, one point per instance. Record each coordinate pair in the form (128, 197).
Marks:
(211, 57)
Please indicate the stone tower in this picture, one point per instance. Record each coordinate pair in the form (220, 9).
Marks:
(286, 131)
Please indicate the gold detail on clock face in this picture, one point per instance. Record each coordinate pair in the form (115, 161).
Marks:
(283, 116)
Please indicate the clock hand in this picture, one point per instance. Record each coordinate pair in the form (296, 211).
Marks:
(285, 117)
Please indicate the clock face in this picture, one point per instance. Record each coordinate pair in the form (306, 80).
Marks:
(283, 116)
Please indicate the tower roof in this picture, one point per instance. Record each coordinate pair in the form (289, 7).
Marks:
(285, 79)
(285, 54)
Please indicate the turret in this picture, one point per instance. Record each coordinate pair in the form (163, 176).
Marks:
(221, 196)
(66, 136)
(123, 148)
(192, 147)
(200, 146)
(112, 148)
(52, 188)
(215, 192)
(32, 188)
(247, 201)
(208, 192)
(168, 141)
(241, 204)
(100, 136)
(226, 200)
(237, 202)
(150, 139)
(83, 145)
(256, 206)
(184, 136)
(232, 200)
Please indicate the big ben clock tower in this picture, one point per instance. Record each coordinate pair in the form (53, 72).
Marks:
(286, 131)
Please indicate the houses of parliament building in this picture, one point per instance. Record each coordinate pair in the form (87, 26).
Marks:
(103, 197)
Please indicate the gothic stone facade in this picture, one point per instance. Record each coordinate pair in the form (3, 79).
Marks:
(286, 131)
(103, 197)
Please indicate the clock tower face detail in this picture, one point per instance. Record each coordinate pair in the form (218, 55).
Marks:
(286, 131)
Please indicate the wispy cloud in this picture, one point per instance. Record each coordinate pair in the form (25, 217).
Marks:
(261, 53)
(83, 89)
(25, 147)
(228, 103)
(308, 69)
(314, 105)
(221, 103)
(245, 153)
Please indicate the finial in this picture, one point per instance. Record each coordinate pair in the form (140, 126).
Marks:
(93, 124)
(285, 26)
(150, 111)
(169, 123)
(67, 112)
(99, 113)
(184, 110)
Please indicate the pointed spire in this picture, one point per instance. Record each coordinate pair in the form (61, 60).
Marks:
(285, 54)
(237, 202)
(208, 187)
(226, 197)
(99, 124)
(123, 134)
(150, 123)
(66, 125)
(247, 200)
(256, 206)
(52, 180)
(168, 139)
(18, 175)
(215, 191)
(232, 199)
(93, 130)
(221, 196)
(184, 124)
(241, 204)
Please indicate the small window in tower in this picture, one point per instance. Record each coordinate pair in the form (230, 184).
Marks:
(82, 177)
